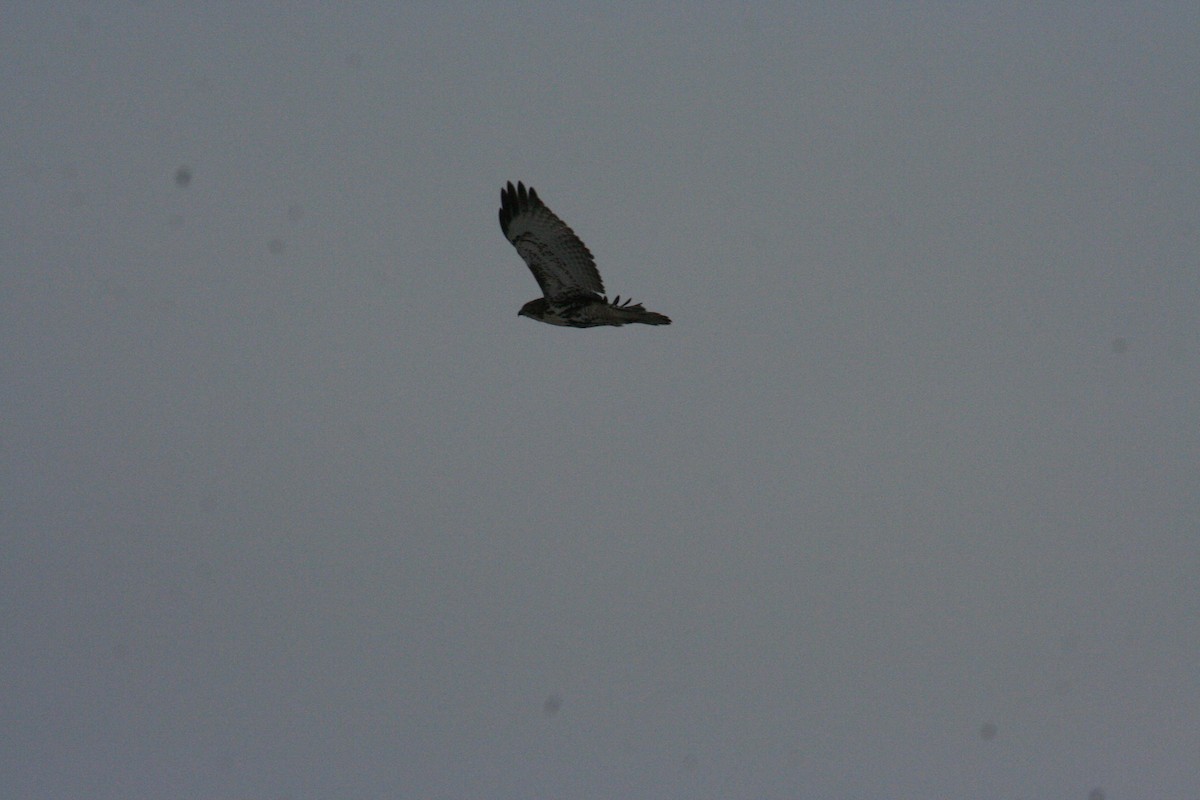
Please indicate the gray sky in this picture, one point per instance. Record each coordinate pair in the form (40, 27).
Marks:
(905, 504)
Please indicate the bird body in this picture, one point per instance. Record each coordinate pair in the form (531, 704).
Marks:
(573, 293)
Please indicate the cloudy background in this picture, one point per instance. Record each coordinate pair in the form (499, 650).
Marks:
(905, 504)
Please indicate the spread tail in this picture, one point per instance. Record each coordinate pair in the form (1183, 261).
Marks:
(636, 312)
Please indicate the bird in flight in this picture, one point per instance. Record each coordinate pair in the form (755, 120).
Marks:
(563, 266)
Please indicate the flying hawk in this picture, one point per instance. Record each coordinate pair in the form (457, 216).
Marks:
(563, 267)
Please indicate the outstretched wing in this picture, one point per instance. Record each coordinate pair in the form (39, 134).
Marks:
(562, 264)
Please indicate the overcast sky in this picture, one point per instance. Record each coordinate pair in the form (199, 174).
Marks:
(905, 503)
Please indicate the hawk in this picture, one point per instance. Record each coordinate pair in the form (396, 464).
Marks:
(563, 267)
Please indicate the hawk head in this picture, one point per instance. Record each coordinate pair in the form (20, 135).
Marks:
(535, 309)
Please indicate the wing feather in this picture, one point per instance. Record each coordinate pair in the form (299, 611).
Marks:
(559, 261)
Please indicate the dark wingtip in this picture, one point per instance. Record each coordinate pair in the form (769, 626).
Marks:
(510, 203)
(514, 200)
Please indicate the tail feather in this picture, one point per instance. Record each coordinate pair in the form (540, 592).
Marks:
(630, 311)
